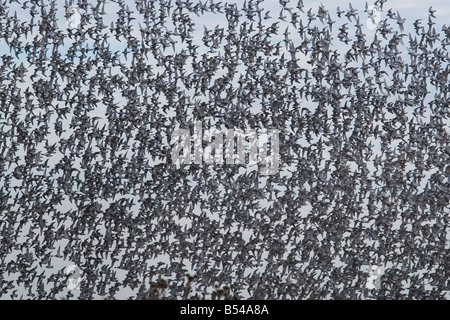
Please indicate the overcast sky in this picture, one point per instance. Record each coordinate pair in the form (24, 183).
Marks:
(410, 10)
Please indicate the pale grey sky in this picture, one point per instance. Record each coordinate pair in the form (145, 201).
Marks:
(410, 10)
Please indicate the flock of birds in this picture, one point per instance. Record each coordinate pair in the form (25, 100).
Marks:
(86, 176)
